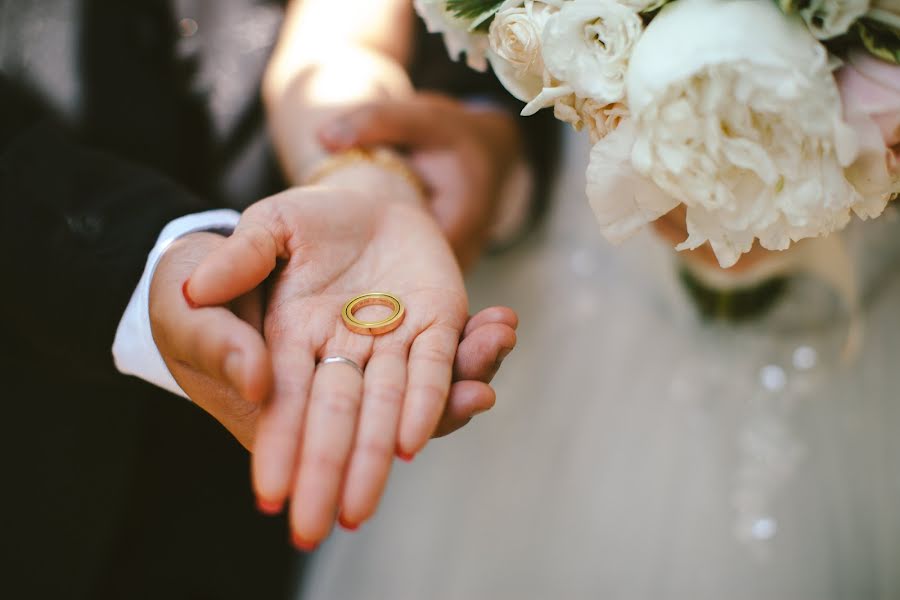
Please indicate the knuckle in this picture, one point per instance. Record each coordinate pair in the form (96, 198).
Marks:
(261, 212)
(320, 460)
(435, 354)
(261, 243)
(375, 449)
(429, 391)
(386, 395)
(341, 404)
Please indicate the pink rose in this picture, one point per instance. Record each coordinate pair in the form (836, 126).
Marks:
(870, 91)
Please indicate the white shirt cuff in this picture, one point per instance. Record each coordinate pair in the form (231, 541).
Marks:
(134, 350)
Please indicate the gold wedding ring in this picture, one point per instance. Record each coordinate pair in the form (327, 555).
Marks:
(373, 327)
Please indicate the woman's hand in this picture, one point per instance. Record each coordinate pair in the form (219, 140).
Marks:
(463, 155)
(328, 436)
(218, 356)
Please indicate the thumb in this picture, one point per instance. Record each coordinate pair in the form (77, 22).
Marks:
(242, 262)
(411, 123)
(213, 341)
(218, 344)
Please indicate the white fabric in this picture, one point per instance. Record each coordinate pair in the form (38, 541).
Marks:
(134, 351)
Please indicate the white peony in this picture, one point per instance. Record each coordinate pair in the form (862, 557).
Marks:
(598, 119)
(457, 37)
(738, 116)
(515, 47)
(830, 18)
(587, 46)
(623, 201)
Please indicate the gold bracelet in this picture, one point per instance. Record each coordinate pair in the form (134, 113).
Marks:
(380, 157)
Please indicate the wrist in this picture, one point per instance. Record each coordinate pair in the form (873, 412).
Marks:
(381, 173)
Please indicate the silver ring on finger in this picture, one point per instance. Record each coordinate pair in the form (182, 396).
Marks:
(342, 360)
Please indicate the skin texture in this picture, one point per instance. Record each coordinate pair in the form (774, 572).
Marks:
(327, 437)
(197, 342)
(337, 80)
(462, 156)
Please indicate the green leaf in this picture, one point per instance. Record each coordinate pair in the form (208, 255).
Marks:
(879, 39)
(471, 9)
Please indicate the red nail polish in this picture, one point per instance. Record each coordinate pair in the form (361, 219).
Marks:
(268, 508)
(347, 524)
(187, 298)
(404, 456)
(302, 545)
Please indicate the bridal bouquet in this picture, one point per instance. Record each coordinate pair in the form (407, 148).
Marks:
(769, 120)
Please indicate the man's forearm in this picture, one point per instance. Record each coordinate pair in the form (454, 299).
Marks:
(332, 56)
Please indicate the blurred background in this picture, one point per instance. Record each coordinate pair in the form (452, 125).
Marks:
(639, 451)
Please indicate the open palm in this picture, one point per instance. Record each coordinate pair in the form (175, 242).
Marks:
(328, 436)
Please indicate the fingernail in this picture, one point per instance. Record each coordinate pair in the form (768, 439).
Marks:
(269, 508)
(405, 456)
(480, 411)
(302, 545)
(504, 352)
(347, 524)
(187, 297)
(232, 368)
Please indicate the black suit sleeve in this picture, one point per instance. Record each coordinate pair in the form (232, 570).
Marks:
(434, 70)
(76, 230)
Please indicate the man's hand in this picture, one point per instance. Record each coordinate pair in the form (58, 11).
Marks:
(462, 155)
(216, 354)
(328, 436)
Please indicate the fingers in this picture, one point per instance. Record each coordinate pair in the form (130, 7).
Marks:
(493, 314)
(280, 426)
(213, 341)
(328, 438)
(218, 344)
(430, 368)
(242, 262)
(376, 438)
(482, 351)
(414, 122)
(467, 399)
(488, 338)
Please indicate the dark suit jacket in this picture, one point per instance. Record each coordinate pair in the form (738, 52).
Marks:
(115, 118)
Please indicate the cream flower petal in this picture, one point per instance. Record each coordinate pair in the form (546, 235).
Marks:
(622, 201)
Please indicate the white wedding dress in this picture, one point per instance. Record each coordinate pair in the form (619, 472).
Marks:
(638, 453)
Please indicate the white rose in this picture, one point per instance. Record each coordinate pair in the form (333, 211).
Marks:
(457, 37)
(587, 46)
(599, 119)
(515, 47)
(830, 18)
(739, 117)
